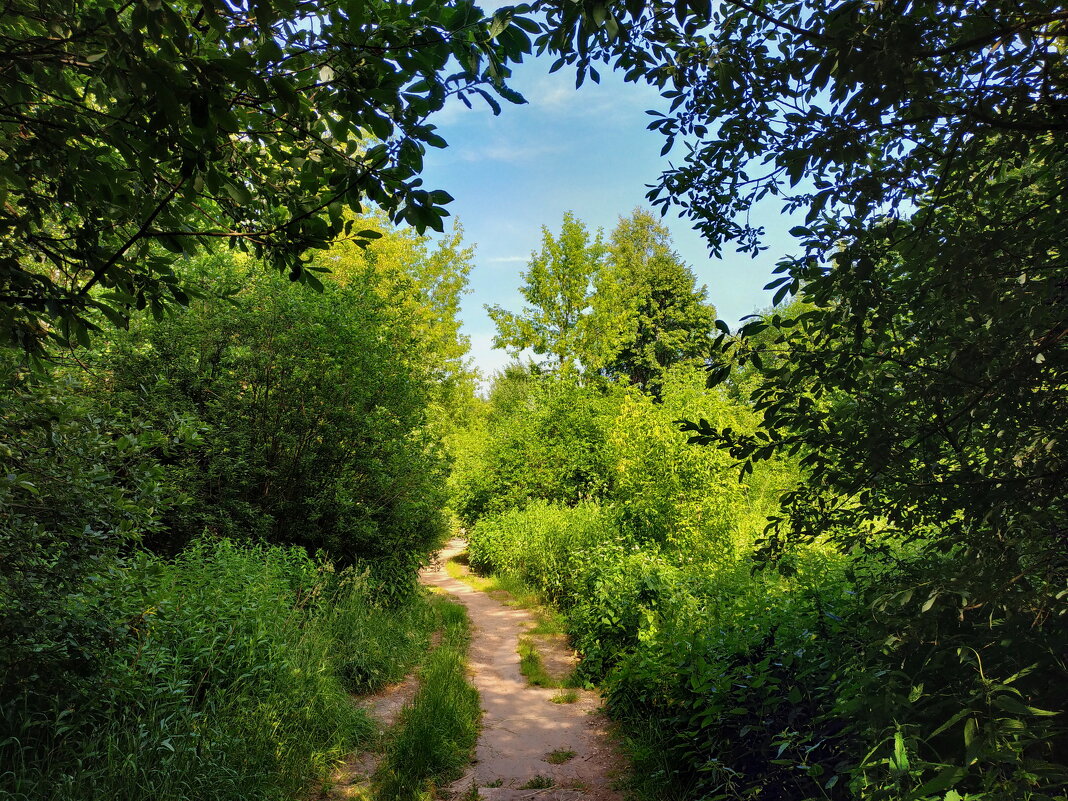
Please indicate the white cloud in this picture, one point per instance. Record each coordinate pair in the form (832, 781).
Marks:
(510, 152)
(556, 95)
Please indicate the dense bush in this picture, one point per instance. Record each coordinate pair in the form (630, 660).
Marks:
(824, 684)
(715, 656)
(541, 544)
(829, 675)
(74, 493)
(537, 439)
(225, 678)
(309, 430)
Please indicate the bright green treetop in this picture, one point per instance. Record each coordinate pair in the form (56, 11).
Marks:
(648, 312)
(558, 288)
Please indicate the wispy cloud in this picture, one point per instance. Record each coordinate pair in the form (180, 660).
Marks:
(556, 95)
(510, 151)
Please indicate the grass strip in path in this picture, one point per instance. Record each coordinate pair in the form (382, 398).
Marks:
(546, 659)
(437, 731)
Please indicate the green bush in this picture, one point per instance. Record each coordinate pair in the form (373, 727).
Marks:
(225, 678)
(540, 440)
(540, 544)
(75, 492)
(819, 680)
(310, 429)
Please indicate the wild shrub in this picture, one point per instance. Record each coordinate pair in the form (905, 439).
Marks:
(665, 492)
(310, 429)
(76, 492)
(541, 440)
(540, 544)
(226, 678)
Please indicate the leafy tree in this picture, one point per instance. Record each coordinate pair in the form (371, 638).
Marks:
(923, 382)
(945, 296)
(647, 312)
(135, 132)
(423, 281)
(312, 431)
(558, 289)
(540, 438)
(868, 102)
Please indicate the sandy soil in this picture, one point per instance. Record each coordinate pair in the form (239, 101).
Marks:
(521, 727)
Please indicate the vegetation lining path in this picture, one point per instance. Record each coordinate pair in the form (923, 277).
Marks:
(352, 779)
(524, 733)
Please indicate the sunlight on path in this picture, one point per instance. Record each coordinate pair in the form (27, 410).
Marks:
(521, 727)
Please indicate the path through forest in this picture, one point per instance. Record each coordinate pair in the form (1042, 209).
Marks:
(521, 727)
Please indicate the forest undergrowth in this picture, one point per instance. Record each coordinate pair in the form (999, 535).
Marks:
(806, 678)
(232, 676)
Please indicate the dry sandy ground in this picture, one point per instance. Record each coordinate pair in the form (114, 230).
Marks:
(521, 727)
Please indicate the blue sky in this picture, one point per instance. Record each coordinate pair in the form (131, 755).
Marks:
(586, 151)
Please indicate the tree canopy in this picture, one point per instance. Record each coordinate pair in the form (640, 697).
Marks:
(926, 144)
(136, 132)
(648, 313)
(558, 288)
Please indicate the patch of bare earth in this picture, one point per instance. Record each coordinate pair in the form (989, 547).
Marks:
(524, 734)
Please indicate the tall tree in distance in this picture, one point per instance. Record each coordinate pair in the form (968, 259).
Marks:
(648, 312)
(558, 287)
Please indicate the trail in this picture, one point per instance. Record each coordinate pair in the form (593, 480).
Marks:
(352, 778)
(520, 725)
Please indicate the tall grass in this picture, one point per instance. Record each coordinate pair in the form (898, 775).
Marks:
(437, 731)
(226, 678)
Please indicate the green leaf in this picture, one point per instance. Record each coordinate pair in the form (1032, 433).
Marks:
(238, 193)
(945, 779)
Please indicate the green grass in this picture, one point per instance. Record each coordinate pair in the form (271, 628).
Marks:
(531, 666)
(538, 783)
(652, 775)
(560, 756)
(374, 646)
(437, 731)
(533, 669)
(225, 683)
(565, 697)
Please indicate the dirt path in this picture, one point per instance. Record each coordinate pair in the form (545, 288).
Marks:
(521, 727)
(352, 778)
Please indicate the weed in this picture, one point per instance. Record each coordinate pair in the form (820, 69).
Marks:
(560, 756)
(565, 697)
(225, 688)
(538, 783)
(532, 667)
